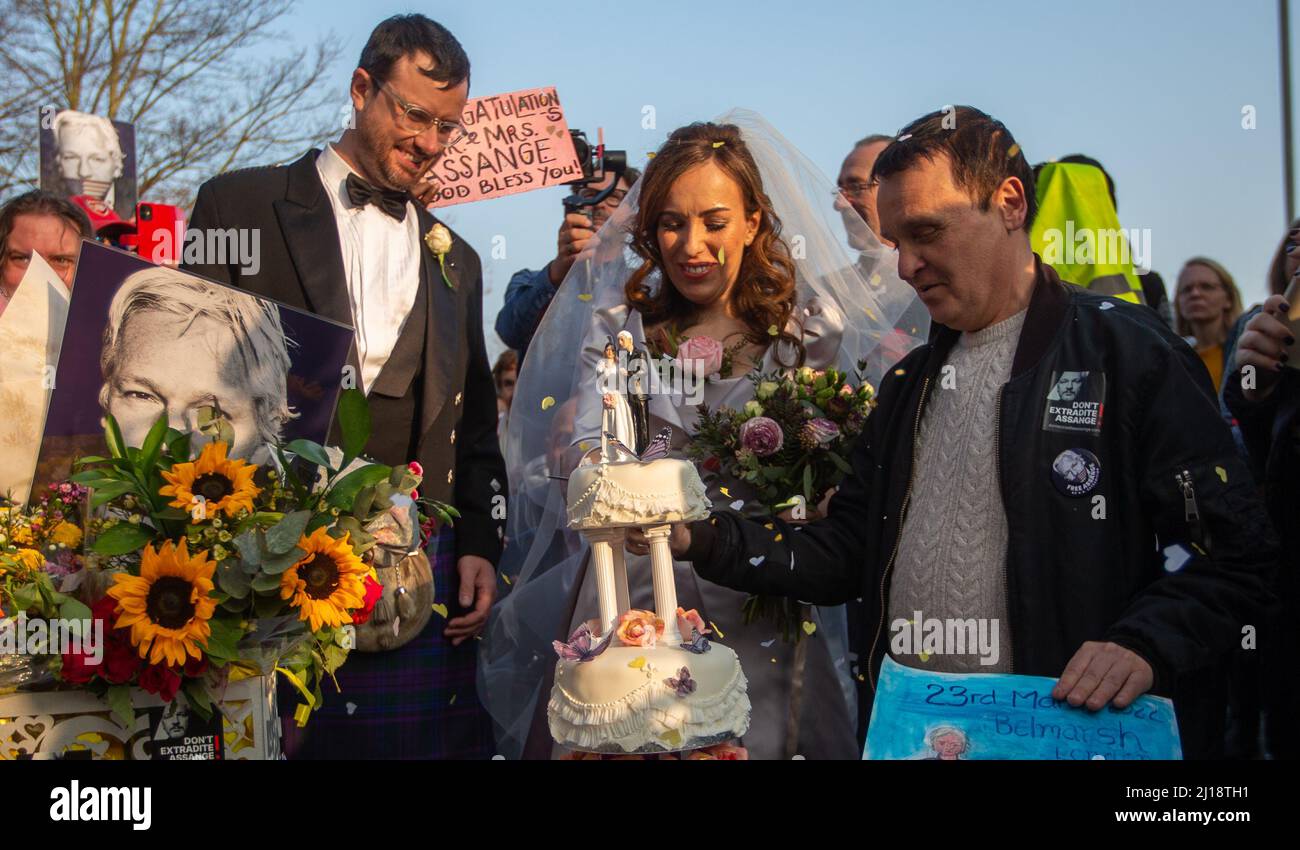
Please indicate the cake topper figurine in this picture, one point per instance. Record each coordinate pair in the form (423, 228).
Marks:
(616, 414)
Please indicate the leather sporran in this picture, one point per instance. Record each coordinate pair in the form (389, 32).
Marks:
(406, 604)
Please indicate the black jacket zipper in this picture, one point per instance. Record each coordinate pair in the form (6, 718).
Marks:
(1192, 514)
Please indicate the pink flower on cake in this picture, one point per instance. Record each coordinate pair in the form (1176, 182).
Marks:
(639, 628)
(762, 436)
(688, 620)
(705, 351)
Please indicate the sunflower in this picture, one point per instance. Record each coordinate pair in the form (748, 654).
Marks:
(224, 485)
(325, 582)
(167, 606)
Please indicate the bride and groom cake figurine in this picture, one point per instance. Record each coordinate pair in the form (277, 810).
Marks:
(639, 681)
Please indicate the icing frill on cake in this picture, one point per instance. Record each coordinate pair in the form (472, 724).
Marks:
(653, 715)
(635, 493)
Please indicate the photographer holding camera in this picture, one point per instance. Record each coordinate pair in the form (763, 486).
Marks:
(530, 291)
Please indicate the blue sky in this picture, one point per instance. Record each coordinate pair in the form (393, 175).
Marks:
(1153, 89)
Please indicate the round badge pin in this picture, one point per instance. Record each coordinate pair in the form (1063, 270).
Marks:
(1075, 472)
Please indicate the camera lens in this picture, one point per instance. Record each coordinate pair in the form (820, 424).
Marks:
(146, 212)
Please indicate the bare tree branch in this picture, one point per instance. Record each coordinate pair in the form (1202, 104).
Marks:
(189, 74)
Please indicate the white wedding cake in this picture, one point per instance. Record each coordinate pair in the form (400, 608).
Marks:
(641, 681)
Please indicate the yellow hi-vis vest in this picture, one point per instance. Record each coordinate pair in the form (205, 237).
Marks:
(1077, 231)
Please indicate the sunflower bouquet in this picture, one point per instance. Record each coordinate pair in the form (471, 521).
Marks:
(222, 569)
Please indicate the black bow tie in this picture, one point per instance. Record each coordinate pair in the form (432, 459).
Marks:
(389, 201)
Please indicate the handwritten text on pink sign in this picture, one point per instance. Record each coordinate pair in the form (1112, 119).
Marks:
(517, 142)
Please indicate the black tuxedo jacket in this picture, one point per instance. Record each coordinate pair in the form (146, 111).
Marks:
(450, 412)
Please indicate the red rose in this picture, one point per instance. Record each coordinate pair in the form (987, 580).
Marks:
(106, 610)
(195, 667)
(121, 661)
(712, 464)
(161, 680)
(374, 590)
(78, 668)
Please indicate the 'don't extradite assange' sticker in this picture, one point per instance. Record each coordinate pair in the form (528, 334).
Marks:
(1076, 402)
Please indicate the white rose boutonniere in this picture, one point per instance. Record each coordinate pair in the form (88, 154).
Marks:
(439, 241)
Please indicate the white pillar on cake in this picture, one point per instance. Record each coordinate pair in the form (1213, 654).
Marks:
(602, 542)
(665, 584)
(621, 594)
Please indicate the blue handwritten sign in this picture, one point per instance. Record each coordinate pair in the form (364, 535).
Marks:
(941, 716)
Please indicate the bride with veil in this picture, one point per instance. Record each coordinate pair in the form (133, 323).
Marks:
(730, 236)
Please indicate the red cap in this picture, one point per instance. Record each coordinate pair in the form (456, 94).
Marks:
(104, 220)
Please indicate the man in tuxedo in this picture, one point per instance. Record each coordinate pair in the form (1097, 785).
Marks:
(343, 237)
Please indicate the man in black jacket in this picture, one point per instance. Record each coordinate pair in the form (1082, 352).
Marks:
(341, 235)
(1112, 538)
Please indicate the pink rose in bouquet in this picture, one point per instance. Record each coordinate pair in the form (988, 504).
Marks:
(821, 432)
(762, 436)
(704, 352)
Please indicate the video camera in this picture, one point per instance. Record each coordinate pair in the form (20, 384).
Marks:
(597, 163)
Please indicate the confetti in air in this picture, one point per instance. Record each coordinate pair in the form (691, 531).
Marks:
(585, 296)
(548, 403)
(1013, 150)
(440, 610)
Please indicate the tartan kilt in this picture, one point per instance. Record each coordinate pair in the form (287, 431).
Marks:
(416, 702)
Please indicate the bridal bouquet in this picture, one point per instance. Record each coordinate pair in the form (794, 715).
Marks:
(791, 445)
(792, 440)
(221, 569)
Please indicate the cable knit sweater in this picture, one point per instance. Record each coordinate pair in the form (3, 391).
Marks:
(952, 553)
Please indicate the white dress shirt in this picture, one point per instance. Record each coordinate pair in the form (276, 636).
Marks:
(381, 261)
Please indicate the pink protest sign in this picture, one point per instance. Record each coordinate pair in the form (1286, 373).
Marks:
(517, 142)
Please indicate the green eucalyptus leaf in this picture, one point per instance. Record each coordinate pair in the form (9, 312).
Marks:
(250, 548)
(275, 565)
(265, 583)
(232, 579)
(286, 533)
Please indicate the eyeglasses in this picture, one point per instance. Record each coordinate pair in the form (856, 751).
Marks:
(417, 119)
(855, 188)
